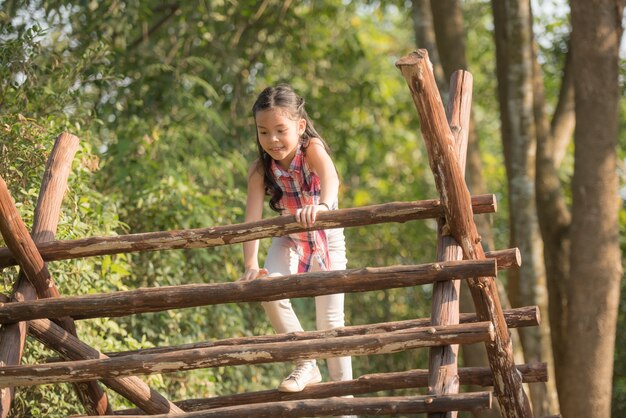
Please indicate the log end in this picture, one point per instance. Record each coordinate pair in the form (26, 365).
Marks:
(412, 58)
(537, 315)
(68, 139)
(494, 203)
(518, 257)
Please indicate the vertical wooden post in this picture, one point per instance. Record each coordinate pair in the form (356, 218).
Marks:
(416, 68)
(34, 274)
(443, 375)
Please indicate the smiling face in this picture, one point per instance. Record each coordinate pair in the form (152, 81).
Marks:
(279, 134)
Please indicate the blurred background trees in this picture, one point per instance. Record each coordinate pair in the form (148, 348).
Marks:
(160, 95)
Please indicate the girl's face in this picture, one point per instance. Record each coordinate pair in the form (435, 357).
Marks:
(279, 134)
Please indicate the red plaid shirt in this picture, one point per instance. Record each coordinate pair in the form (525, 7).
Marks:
(301, 187)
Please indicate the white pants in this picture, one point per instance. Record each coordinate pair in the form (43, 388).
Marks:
(282, 260)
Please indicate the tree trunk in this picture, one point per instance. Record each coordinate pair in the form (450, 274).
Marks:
(595, 269)
(554, 217)
(424, 30)
(527, 286)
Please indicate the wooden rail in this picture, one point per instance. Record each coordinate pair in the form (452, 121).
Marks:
(369, 383)
(259, 290)
(247, 231)
(339, 406)
(138, 364)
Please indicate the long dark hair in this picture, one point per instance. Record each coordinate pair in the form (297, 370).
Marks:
(281, 96)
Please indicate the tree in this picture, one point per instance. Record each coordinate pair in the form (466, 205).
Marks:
(514, 59)
(595, 262)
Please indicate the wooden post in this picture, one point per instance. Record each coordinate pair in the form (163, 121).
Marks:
(248, 231)
(264, 289)
(417, 71)
(381, 343)
(445, 301)
(35, 274)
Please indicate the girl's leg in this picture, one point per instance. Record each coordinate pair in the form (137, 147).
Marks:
(329, 308)
(281, 261)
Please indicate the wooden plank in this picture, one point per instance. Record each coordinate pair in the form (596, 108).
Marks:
(132, 388)
(140, 364)
(445, 301)
(46, 218)
(263, 289)
(238, 233)
(370, 383)
(416, 69)
(368, 406)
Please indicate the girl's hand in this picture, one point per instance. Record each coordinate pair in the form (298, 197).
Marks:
(308, 214)
(253, 273)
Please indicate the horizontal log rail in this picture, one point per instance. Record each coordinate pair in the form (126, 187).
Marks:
(370, 383)
(248, 231)
(263, 289)
(142, 364)
(384, 405)
(527, 316)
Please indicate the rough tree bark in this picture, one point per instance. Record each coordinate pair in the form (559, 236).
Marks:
(595, 266)
(527, 286)
(552, 211)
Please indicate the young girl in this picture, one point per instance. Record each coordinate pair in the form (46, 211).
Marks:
(295, 170)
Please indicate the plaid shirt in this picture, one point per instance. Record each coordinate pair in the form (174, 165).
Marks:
(301, 187)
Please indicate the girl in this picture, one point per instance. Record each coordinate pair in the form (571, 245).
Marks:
(295, 170)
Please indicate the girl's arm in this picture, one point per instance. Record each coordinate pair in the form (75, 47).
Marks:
(323, 165)
(254, 212)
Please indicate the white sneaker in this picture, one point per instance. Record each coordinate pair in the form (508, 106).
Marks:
(305, 373)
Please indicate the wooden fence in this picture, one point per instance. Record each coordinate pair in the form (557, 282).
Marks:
(37, 308)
